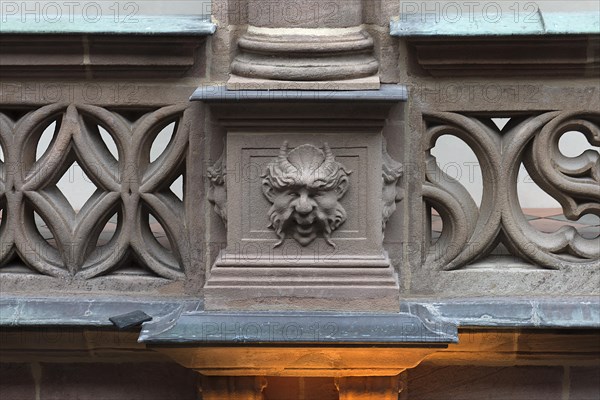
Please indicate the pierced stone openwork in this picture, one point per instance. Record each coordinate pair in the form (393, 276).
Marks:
(132, 191)
(470, 233)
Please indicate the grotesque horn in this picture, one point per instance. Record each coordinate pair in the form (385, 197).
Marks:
(283, 150)
(282, 158)
(329, 157)
(329, 165)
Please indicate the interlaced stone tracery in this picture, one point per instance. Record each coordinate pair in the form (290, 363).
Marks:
(129, 186)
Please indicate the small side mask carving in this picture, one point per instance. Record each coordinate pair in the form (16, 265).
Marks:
(217, 193)
(392, 171)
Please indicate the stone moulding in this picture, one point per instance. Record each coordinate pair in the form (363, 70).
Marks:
(504, 46)
(220, 94)
(443, 57)
(100, 56)
(303, 57)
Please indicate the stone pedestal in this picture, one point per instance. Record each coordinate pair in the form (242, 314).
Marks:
(304, 266)
(305, 202)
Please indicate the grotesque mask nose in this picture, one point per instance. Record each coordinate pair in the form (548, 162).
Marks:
(304, 205)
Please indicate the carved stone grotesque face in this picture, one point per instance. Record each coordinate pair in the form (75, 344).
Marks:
(392, 171)
(305, 186)
(217, 193)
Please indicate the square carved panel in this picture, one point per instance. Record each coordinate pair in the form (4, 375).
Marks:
(248, 207)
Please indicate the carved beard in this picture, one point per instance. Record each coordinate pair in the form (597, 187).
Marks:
(284, 223)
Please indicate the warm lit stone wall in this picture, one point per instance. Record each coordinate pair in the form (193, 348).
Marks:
(164, 381)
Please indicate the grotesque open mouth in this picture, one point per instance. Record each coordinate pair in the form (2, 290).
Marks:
(305, 224)
(304, 230)
(304, 220)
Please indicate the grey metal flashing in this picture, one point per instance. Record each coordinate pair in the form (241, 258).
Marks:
(284, 328)
(387, 93)
(40, 312)
(181, 25)
(420, 24)
(544, 313)
(436, 315)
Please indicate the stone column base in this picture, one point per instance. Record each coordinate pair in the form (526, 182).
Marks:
(242, 83)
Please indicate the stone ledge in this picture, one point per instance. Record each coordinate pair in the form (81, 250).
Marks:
(554, 44)
(388, 93)
(542, 23)
(199, 25)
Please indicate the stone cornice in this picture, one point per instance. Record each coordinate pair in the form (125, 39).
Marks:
(508, 56)
(97, 56)
(547, 44)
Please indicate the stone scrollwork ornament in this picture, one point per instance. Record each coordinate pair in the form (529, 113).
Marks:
(305, 186)
(470, 233)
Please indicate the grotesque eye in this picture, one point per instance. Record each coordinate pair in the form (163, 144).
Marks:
(294, 194)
